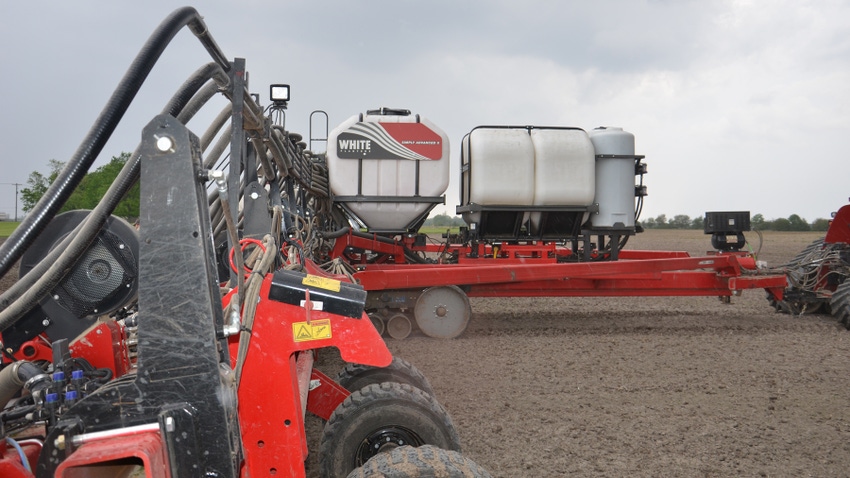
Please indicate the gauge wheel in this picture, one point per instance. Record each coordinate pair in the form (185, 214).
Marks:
(442, 312)
(378, 322)
(399, 326)
(424, 461)
(355, 376)
(379, 418)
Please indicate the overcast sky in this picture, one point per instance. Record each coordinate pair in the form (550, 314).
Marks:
(737, 105)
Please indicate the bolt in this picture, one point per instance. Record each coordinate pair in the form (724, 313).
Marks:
(120, 246)
(59, 443)
(164, 143)
(169, 424)
(45, 322)
(254, 195)
(56, 297)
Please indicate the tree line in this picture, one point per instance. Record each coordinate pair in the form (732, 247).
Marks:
(681, 221)
(792, 223)
(88, 193)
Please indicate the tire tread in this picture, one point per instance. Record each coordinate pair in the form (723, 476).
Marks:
(399, 370)
(425, 461)
(363, 401)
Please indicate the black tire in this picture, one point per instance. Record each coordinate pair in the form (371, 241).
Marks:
(425, 461)
(840, 303)
(355, 376)
(378, 418)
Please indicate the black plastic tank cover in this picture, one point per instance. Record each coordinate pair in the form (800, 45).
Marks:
(336, 297)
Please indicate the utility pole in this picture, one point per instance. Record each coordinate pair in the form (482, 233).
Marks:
(16, 197)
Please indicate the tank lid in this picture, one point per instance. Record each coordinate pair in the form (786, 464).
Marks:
(612, 128)
(384, 111)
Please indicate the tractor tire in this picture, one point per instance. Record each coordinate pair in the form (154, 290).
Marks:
(840, 303)
(355, 376)
(425, 461)
(378, 418)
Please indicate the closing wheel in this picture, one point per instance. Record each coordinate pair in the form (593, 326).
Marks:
(378, 322)
(379, 418)
(355, 376)
(442, 312)
(421, 462)
(840, 303)
(399, 326)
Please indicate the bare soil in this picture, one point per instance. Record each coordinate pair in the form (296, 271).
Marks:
(645, 386)
(642, 386)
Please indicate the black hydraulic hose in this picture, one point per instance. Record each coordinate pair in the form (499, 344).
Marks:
(198, 101)
(336, 234)
(373, 237)
(216, 126)
(386, 240)
(94, 141)
(187, 91)
(49, 272)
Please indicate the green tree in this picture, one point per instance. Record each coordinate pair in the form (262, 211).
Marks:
(698, 223)
(661, 221)
(441, 220)
(820, 224)
(782, 224)
(797, 223)
(38, 184)
(680, 221)
(757, 221)
(90, 190)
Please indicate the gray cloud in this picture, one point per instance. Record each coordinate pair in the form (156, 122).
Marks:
(737, 105)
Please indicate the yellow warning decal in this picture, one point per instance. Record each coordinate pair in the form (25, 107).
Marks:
(321, 282)
(314, 330)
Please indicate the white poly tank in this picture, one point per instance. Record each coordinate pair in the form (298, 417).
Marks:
(564, 167)
(385, 192)
(502, 166)
(615, 178)
(498, 168)
(527, 166)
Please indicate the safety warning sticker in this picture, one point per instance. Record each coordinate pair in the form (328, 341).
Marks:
(314, 330)
(321, 282)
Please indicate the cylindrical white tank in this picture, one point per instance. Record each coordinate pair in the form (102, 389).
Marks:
(388, 169)
(615, 178)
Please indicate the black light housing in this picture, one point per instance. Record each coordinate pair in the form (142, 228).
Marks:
(279, 94)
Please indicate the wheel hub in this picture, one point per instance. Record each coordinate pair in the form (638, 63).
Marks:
(442, 312)
(385, 439)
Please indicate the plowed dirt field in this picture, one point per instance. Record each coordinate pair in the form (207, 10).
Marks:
(642, 386)
(646, 386)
